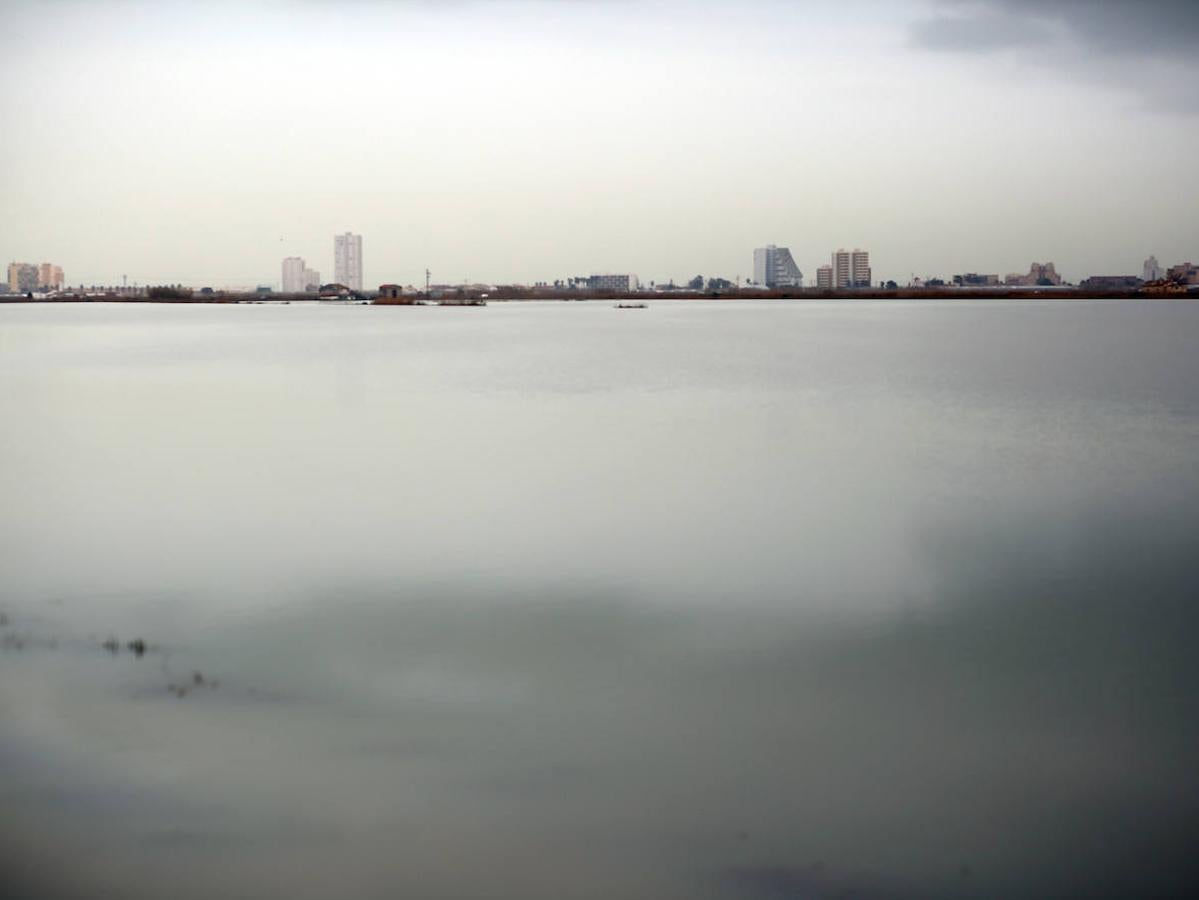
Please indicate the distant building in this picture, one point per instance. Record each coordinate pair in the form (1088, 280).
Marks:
(1043, 274)
(1152, 270)
(615, 283)
(1186, 273)
(49, 277)
(22, 277)
(851, 269)
(775, 268)
(293, 275)
(824, 278)
(972, 279)
(394, 294)
(298, 278)
(1111, 283)
(347, 260)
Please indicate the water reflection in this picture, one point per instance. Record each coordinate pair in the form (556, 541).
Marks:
(1029, 729)
(929, 678)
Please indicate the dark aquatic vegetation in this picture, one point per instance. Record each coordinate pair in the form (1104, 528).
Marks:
(137, 646)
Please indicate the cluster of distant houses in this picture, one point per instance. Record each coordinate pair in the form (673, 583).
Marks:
(1178, 278)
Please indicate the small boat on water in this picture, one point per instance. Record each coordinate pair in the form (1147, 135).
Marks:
(630, 306)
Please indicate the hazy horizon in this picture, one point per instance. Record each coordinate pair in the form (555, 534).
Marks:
(516, 141)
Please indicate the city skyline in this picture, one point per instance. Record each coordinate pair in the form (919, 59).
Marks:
(772, 267)
(895, 124)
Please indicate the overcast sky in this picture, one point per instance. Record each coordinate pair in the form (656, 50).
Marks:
(522, 140)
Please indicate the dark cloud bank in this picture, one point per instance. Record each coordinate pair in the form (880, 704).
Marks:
(1146, 50)
(1151, 27)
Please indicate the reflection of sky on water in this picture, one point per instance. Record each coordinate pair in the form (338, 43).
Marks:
(968, 676)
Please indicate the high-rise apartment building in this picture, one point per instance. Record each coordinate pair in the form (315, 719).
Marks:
(22, 277)
(347, 260)
(841, 269)
(49, 276)
(859, 264)
(1152, 270)
(293, 275)
(851, 269)
(298, 278)
(824, 278)
(775, 268)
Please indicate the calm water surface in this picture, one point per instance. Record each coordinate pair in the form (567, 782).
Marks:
(709, 600)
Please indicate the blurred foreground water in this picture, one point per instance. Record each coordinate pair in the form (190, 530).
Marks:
(708, 600)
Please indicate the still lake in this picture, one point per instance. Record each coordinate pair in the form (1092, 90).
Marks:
(734, 599)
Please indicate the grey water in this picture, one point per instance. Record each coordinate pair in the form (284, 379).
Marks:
(773, 599)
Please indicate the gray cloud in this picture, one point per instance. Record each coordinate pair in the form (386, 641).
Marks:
(1144, 49)
(1147, 27)
(1143, 28)
(981, 30)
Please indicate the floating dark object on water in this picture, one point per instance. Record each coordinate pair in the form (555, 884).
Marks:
(630, 306)
(137, 646)
(3, 620)
(197, 681)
